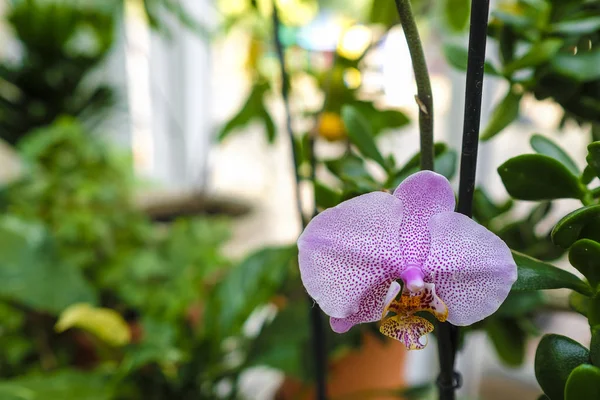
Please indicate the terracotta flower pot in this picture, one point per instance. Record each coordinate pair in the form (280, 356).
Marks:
(359, 374)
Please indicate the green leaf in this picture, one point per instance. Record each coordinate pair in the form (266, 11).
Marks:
(539, 177)
(585, 256)
(248, 285)
(508, 339)
(595, 346)
(583, 383)
(282, 344)
(485, 210)
(537, 275)
(325, 196)
(106, 324)
(457, 56)
(380, 120)
(579, 303)
(504, 113)
(588, 175)
(33, 275)
(582, 67)
(545, 146)
(555, 358)
(577, 27)
(519, 304)
(593, 157)
(252, 109)
(538, 54)
(569, 228)
(64, 385)
(445, 164)
(456, 13)
(360, 134)
(351, 170)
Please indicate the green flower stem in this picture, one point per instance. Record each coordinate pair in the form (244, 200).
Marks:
(424, 95)
(316, 319)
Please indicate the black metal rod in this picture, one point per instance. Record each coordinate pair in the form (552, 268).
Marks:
(449, 379)
(316, 318)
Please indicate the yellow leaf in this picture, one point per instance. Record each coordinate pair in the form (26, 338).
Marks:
(106, 324)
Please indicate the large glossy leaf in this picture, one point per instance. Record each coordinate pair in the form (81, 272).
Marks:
(537, 275)
(582, 67)
(360, 134)
(509, 340)
(248, 285)
(569, 228)
(543, 145)
(539, 177)
(555, 358)
(585, 256)
(504, 113)
(538, 54)
(33, 275)
(579, 26)
(583, 383)
(283, 343)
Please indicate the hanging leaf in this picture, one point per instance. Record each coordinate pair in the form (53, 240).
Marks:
(484, 209)
(106, 324)
(360, 134)
(537, 275)
(545, 146)
(504, 113)
(583, 383)
(539, 177)
(579, 303)
(569, 228)
(555, 358)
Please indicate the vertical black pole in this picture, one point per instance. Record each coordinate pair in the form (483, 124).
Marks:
(449, 380)
(319, 349)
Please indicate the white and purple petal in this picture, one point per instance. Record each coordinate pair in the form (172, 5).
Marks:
(423, 195)
(349, 255)
(472, 268)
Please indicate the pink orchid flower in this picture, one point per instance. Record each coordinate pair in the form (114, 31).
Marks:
(352, 255)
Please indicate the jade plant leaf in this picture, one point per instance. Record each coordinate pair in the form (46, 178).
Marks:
(585, 256)
(593, 157)
(537, 275)
(543, 145)
(360, 134)
(555, 358)
(539, 177)
(579, 303)
(595, 346)
(583, 383)
(504, 113)
(568, 229)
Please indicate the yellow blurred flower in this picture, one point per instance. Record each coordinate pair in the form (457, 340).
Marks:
(331, 127)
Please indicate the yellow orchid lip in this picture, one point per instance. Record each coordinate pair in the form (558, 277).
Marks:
(407, 327)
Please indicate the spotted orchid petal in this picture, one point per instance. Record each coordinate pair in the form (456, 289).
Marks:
(349, 257)
(472, 268)
(423, 195)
